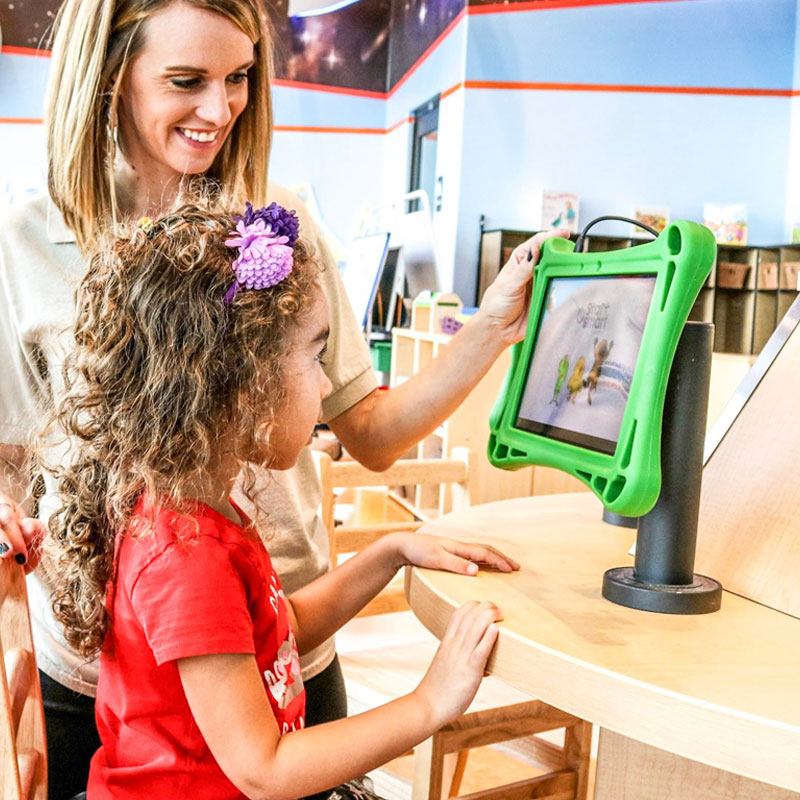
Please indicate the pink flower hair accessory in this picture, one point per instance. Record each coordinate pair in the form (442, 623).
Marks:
(265, 239)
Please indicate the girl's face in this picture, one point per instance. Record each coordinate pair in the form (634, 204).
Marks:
(183, 92)
(306, 387)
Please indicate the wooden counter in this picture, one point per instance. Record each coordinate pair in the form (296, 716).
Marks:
(721, 689)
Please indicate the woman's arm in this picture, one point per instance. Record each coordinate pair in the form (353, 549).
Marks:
(321, 608)
(384, 425)
(229, 703)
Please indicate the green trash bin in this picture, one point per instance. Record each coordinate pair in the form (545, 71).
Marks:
(381, 353)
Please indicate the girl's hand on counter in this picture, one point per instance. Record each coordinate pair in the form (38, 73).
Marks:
(457, 668)
(450, 555)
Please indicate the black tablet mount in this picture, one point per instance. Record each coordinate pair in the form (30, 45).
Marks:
(663, 578)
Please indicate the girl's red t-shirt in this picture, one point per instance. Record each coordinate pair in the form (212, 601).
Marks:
(193, 585)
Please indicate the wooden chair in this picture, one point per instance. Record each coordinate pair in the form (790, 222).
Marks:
(23, 755)
(376, 674)
(347, 539)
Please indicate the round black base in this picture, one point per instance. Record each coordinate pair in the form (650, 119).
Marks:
(702, 596)
(620, 519)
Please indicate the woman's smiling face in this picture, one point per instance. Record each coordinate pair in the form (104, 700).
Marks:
(183, 92)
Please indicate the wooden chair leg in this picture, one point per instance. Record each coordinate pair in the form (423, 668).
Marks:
(578, 754)
(435, 769)
(441, 760)
(428, 770)
(458, 773)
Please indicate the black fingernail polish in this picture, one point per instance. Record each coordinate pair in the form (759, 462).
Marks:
(3, 548)
(19, 558)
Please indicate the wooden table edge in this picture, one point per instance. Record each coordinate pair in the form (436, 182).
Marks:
(711, 734)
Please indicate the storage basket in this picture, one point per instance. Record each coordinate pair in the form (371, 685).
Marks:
(768, 276)
(789, 277)
(731, 274)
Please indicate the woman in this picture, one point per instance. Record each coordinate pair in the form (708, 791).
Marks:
(144, 93)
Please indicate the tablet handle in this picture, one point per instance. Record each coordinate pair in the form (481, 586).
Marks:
(579, 241)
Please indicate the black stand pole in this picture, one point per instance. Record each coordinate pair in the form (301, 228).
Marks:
(662, 578)
(620, 519)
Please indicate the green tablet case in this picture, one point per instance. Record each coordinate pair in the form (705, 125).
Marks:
(627, 481)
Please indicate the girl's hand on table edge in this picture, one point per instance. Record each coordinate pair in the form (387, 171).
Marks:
(459, 665)
(450, 555)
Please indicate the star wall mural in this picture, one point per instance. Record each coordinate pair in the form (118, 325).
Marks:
(347, 48)
(27, 23)
(415, 26)
(369, 45)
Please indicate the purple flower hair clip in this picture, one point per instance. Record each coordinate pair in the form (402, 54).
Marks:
(265, 239)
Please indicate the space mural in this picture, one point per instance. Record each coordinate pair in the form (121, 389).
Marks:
(367, 46)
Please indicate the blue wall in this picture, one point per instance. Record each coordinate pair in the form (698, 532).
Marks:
(343, 167)
(23, 79)
(741, 43)
(22, 149)
(617, 148)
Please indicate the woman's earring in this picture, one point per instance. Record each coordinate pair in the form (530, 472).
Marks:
(112, 132)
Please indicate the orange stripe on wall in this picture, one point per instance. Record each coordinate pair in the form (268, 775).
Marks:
(451, 90)
(472, 84)
(554, 87)
(605, 87)
(20, 121)
(544, 5)
(24, 51)
(406, 121)
(323, 129)
(320, 87)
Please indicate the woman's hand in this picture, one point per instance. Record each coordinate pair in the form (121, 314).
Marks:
(435, 552)
(505, 303)
(457, 668)
(20, 536)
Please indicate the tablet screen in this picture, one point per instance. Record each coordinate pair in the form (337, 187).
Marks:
(583, 359)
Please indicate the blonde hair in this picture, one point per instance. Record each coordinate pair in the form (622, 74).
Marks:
(94, 40)
(164, 376)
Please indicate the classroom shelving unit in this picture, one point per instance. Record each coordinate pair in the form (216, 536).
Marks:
(748, 292)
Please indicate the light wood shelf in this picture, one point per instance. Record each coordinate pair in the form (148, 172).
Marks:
(467, 427)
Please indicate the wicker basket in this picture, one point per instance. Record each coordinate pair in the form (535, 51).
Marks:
(789, 279)
(731, 274)
(768, 276)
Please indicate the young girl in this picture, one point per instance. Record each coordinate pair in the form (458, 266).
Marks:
(199, 340)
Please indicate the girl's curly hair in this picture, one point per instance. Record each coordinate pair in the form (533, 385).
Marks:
(164, 375)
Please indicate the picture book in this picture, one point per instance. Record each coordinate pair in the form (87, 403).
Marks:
(655, 217)
(560, 210)
(728, 222)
